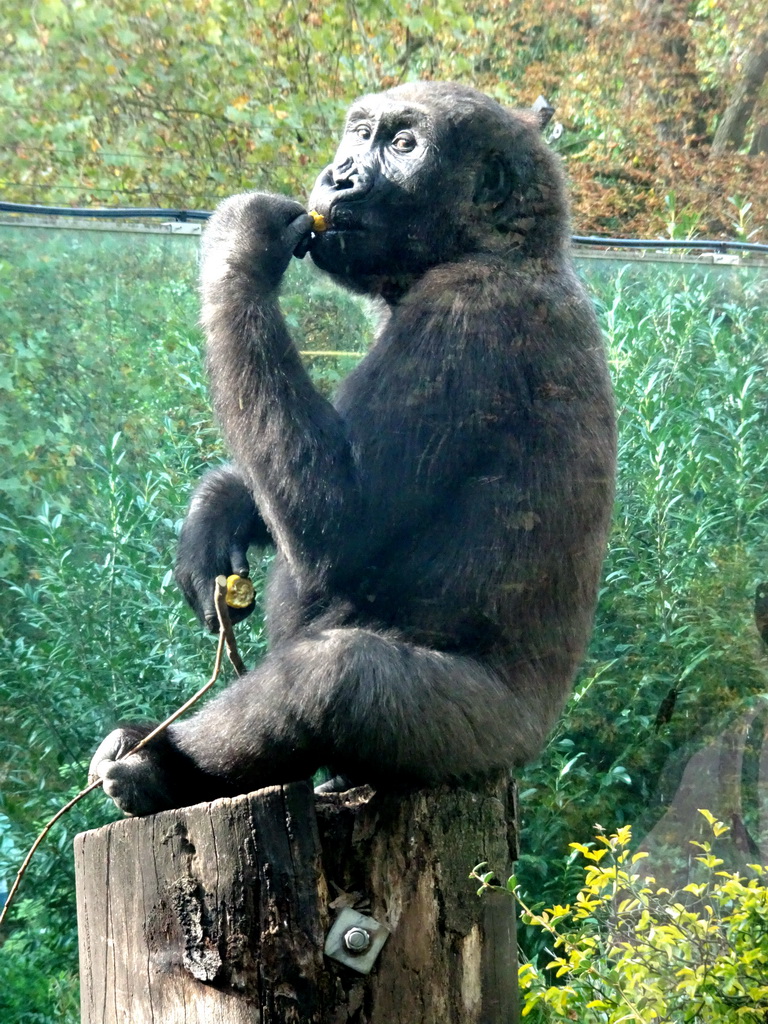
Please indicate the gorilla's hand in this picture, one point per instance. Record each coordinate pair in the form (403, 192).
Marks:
(138, 784)
(222, 522)
(253, 236)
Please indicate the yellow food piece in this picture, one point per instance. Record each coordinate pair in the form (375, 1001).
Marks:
(239, 591)
(319, 223)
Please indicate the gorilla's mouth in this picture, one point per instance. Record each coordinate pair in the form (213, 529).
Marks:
(335, 232)
(344, 218)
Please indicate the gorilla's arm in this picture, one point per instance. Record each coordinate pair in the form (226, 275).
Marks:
(288, 440)
(222, 522)
(321, 481)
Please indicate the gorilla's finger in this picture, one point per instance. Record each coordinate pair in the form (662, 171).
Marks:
(302, 248)
(238, 614)
(238, 559)
(204, 605)
(205, 611)
(298, 234)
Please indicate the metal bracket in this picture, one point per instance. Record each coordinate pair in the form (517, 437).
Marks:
(355, 940)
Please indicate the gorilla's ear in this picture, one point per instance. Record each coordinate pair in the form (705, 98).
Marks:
(544, 112)
(494, 181)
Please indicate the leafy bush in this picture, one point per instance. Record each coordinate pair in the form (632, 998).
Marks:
(628, 949)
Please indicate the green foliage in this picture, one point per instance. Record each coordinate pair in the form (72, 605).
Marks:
(629, 950)
(689, 543)
(181, 104)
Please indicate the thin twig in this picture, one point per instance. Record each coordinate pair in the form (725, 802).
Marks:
(225, 625)
(226, 637)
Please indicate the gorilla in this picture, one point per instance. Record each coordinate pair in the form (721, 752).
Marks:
(440, 526)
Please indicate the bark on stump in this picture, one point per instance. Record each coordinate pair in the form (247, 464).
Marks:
(218, 913)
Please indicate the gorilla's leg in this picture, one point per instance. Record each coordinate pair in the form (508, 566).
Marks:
(368, 704)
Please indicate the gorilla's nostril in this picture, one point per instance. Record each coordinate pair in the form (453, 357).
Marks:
(345, 174)
(344, 182)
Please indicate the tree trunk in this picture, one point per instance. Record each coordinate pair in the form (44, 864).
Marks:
(219, 913)
(668, 69)
(733, 124)
(759, 140)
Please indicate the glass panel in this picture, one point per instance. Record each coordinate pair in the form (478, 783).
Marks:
(105, 424)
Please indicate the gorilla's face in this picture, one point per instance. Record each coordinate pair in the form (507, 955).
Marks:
(428, 172)
(390, 198)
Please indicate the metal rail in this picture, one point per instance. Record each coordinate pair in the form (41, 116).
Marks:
(182, 216)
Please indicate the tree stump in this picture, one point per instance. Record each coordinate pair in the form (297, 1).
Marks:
(219, 913)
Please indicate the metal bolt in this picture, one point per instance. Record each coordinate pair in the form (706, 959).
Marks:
(357, 941)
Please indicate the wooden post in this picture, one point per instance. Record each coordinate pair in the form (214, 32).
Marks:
(219, 913)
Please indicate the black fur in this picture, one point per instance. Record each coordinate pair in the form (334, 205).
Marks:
(440, 527)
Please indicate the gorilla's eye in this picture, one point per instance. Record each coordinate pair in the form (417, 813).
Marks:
(363, 131)
(404, 142)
